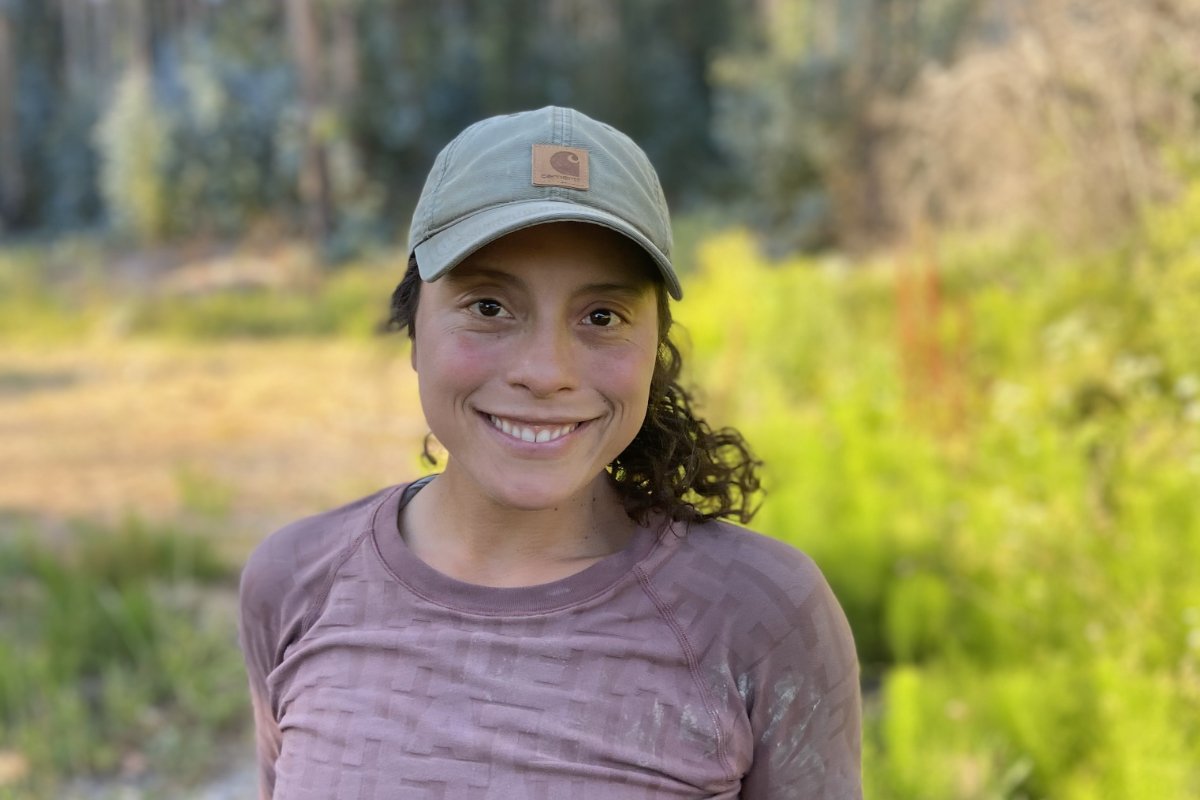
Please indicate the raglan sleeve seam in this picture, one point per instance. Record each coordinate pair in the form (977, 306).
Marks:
(267, 628)
(689, 652)
(824, 759)
(259, 632)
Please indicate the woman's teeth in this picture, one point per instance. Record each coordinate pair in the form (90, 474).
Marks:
(532, 433)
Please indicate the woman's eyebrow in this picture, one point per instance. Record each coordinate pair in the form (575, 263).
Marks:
(475, 274)
(631, 289)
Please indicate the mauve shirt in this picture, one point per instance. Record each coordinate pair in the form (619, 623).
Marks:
(703, 661)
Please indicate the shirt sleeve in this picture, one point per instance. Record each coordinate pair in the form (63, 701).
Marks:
(805, 710)
(283, 583)
(259, 635)
(267, 740)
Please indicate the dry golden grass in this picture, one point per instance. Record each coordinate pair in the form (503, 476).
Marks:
(269, 430)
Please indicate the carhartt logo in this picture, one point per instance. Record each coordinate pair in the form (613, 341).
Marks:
(560, 166)
(565, 162)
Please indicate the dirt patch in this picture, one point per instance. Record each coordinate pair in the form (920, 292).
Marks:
(257, 433)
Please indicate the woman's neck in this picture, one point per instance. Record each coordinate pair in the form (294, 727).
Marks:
(472, 538)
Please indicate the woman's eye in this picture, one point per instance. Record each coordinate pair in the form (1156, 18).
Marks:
(488, 308)
(603, 317)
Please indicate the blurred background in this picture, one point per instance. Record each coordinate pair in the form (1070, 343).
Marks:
(941, 261)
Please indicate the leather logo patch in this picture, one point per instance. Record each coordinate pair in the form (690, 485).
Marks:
(560, 166)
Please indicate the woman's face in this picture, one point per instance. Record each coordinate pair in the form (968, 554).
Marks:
(534, 358)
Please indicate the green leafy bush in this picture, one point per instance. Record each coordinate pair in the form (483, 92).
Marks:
(352, 302)
(993, 455)
(133, 137)
(116, 653)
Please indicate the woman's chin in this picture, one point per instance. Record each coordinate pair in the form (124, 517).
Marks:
(538, 492)
(541, 497)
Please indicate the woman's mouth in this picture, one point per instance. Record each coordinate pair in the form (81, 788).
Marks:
(529, 432)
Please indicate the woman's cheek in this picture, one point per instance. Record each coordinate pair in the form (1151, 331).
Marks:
(472, 355)
(626, 372)
(464, 357)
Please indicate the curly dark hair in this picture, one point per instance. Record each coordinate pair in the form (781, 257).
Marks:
(676, 465)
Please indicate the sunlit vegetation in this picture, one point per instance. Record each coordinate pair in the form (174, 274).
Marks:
(992, 449)
(119, 657)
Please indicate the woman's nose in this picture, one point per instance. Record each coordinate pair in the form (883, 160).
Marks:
(545, 361)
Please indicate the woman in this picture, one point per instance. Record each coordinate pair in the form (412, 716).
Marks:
(559, 613)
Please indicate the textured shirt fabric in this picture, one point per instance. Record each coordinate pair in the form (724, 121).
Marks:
(701, 661)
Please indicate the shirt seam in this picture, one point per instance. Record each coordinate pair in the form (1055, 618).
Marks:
(382, 562)
(515, 613)
(318, 604)
(693, 663)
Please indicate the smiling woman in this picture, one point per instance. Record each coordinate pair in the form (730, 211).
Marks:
(534, 359)
(562, 612)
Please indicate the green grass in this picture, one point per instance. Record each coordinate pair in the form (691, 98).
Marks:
(120, 650)
(351, 302)
(63, 294)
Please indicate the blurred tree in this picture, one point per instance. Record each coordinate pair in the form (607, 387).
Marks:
(314, 109)
(58, 94)
(861, 121)
(12, 177)
(835, 124)
(370, 90)
(136, 30)
(798, 101)
(134, 140)
(640, 65)
(344, 59)
(234, 155)
(1072, 121)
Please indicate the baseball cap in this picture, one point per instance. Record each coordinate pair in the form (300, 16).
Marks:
(555, 164)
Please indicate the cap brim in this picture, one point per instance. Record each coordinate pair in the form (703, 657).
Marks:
(442, 251)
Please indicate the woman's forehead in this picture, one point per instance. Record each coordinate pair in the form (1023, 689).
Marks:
(586, 250)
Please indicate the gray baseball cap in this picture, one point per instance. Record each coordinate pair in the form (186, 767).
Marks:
(506, 173)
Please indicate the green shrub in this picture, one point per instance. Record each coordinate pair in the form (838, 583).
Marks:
(115, 650)
(133, 139)
(999, 480)
(350, 302)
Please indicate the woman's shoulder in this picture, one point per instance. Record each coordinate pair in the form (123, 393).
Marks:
(744, 559)
(753, 592)
(295, 558)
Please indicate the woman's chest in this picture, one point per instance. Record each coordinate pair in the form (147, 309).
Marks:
(434, 705)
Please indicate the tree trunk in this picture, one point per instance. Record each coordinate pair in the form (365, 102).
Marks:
(137, 31)
(12, 179)
(315, 192)
(74, 32)
(345, 52)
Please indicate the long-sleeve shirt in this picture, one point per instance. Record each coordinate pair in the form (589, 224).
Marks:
(701, 661)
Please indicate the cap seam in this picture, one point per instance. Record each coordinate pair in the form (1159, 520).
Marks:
(441, 178)
(562, 136)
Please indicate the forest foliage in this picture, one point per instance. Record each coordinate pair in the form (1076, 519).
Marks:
(993, 452)
(842, 124)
